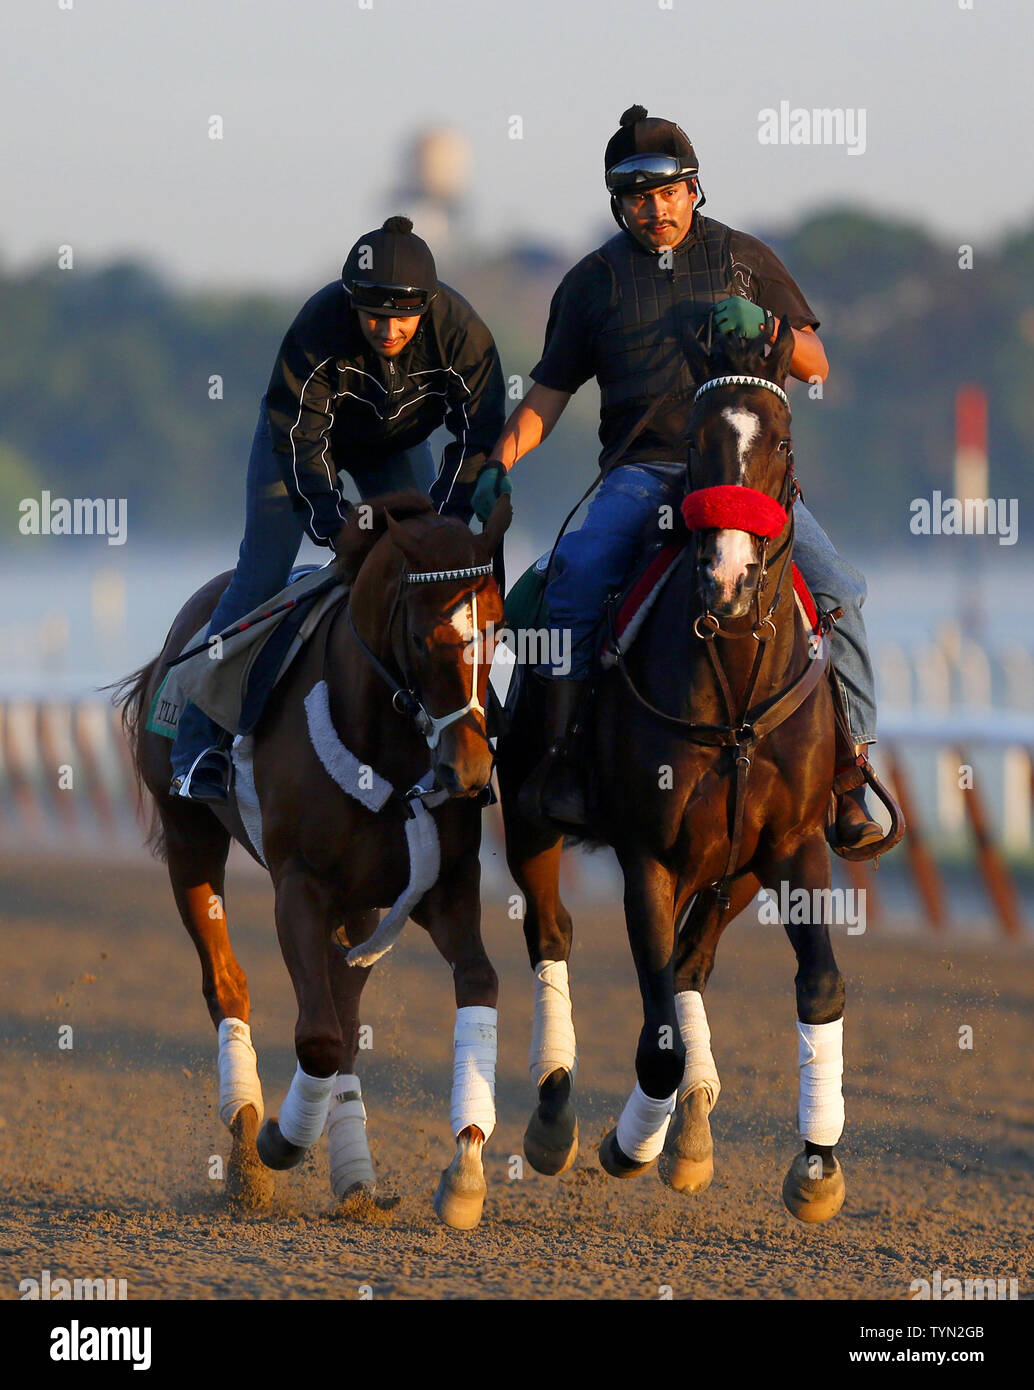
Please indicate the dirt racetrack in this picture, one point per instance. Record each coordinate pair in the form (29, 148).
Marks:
(106, 1146)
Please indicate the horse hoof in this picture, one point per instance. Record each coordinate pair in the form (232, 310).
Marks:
(809, 1198)
(461, 1191)
(248, 1183)
(551, 1139)
(357, 1200)
(545, 1149)
(275, 1151)
(687, 1162)
(614, 1162)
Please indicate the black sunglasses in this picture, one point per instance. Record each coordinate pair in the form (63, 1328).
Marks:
(388, 299)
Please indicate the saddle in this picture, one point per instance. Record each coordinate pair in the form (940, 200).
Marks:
(234, 689)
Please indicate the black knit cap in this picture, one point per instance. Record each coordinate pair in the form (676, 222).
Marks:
(392, 256)
(643, 134)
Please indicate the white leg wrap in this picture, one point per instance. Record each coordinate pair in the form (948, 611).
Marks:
(473, 1069)
(820, 1057)
(696, 1034)
(304, 1111)
(239, 1083)
(350, 1160)
(552, 1031)
(643, 1125)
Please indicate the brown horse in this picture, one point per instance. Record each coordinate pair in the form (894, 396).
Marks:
(710, 756)
(346, 831)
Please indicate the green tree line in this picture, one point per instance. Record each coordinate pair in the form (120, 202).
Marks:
(105, 379)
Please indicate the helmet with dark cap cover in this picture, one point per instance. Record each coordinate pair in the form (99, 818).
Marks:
(391, 271)
(645, 153)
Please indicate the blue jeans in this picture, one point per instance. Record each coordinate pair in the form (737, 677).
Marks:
(836, 584)
(273, 531)
(598, 558)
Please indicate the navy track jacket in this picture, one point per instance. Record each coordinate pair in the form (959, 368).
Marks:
(335, 404)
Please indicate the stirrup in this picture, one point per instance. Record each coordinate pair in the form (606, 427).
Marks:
(856, 776)
(213, 789)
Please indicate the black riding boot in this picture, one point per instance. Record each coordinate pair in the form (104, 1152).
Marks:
(554, 789)
(854, 826)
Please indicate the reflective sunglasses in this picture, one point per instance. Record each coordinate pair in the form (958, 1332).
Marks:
(403, 300)
(639, 169)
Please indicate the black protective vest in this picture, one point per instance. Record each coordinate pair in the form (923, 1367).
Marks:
(652, 311)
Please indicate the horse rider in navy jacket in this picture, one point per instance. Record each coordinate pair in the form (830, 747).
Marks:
(371, 366)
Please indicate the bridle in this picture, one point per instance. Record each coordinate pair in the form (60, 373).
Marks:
(742, 731)
(405, 695)
(700, 500)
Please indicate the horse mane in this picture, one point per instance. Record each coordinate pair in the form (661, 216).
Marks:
(368, 522)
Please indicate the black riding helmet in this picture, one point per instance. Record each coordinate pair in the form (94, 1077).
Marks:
(391, 271)
(647, 152)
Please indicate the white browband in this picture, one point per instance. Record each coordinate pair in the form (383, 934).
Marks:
(743, 381)
(436, 576)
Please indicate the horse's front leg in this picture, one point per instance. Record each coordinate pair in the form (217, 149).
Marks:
(687, 1163)
(451, 912)
(814, 1186)
(351, 1164)
(533, 853)
(303, 923)
(638, 1138)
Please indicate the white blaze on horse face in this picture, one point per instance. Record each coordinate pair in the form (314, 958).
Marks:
(462, 619)
(747, 427)
(733, 552)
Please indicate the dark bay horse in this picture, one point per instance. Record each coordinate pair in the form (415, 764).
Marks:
(345, 831)
(709, 752)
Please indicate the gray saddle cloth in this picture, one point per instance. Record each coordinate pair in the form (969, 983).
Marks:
(233, 688)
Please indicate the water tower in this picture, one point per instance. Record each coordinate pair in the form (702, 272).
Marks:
(435, 178)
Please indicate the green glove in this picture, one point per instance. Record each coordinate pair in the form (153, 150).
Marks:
(740, 316)
(492, 483)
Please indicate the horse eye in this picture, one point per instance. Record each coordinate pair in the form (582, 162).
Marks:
(417, 641)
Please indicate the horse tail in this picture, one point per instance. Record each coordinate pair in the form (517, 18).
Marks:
(130, 693)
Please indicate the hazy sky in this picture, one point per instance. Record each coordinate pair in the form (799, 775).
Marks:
(105, 109)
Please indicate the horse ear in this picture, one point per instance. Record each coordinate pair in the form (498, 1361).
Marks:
(403, 541)
(495, 527)
(778, 363)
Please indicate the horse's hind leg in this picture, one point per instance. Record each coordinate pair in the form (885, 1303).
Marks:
(687, 1161)
(533, 855)
(814, 1189)
(303, 924)
(351, 1166)
(196, 848)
